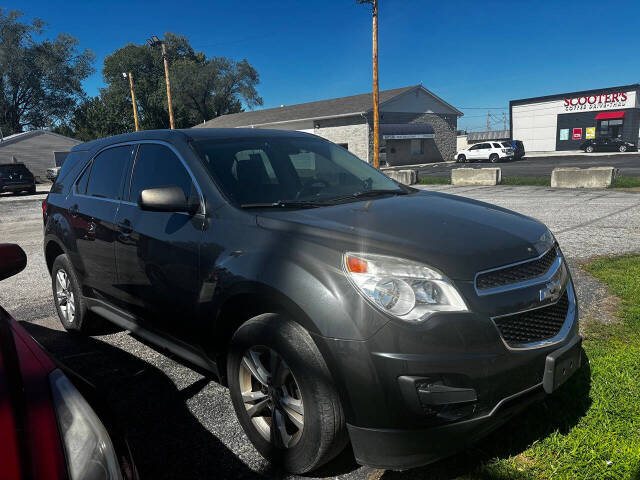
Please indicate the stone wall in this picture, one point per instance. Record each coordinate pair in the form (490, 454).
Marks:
(353, 131)
(441, 148)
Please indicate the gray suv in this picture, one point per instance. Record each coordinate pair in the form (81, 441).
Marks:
(337, 305)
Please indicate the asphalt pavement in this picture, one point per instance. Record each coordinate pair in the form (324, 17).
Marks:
(628, 164)
(181, 424)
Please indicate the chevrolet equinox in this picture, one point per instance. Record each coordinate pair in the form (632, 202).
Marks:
(336, 304)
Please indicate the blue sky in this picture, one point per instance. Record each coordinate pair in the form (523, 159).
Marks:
(472, 54)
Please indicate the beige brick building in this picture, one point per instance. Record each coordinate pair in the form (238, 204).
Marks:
(416, 126)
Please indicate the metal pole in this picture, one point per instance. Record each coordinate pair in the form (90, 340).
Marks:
(133, 101)
(166, 75)
(376, 113)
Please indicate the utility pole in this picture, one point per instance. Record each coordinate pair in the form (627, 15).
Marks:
(376, 112)
(488, 118)
(153, 42)
(133, 100)
(504, 120)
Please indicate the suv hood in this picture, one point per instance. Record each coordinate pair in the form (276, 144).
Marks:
(457, 235)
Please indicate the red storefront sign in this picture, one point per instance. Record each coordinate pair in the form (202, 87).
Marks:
(597, 99)
(577, 133)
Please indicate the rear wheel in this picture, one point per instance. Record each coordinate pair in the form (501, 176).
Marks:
(589, 149)
(462, 159)
(494, 158)
(283, 394)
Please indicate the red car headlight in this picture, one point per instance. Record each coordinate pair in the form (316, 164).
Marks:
(88, 448)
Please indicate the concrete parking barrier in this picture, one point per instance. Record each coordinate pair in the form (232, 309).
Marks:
(595, 177)
(476, 176)
(407, 177)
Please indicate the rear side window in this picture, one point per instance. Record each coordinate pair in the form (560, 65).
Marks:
(497, 145)
(105, 178)
(72, 164)
(157, 166)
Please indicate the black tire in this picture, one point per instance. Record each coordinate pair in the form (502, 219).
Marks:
(623, 148)
(32, 190)
(83, 321)
(323, 435)
(589, 149)
(461, 159)
(494, 158)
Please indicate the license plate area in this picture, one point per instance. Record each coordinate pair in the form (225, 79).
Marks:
(561, 364)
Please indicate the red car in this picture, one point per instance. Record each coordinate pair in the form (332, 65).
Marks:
(48, 430)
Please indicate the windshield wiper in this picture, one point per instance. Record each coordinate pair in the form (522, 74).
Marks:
(367, 193)
(286, 204)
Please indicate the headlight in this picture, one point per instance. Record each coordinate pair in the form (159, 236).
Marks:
(407, 290)
(88, 448)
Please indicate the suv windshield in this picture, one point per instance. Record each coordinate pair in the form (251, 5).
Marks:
(290, 170)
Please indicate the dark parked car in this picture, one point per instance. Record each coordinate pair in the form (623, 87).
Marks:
(604, 144)
(336, 304)
(16, 177)
(48, 429)
(517, 146)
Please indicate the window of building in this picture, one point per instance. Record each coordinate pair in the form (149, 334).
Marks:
(105, 178)
(417, 146)
(157, 166)
(610, 128)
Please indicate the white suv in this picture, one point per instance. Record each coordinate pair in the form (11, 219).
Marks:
(491, 151)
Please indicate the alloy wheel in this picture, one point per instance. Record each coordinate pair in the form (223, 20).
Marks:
(271, 396)
(623, 148)
(64, 296)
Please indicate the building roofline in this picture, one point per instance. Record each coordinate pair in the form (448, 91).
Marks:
(281, 122)
(421, 87)
(521, 101)
(18, 137)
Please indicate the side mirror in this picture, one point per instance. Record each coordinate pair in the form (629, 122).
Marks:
(166, 199)
(12, 260)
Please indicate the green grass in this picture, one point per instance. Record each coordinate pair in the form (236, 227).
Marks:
(527, 181)
(590, 428)
(434, 181)
(530, 181)
(625, 182)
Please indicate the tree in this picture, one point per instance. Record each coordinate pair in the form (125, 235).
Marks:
(40, 81)
(201, 88)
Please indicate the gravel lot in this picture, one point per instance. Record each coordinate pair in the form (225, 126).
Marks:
(182, 425)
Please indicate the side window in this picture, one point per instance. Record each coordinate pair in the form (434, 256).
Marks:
(157, 166)
(105, 178)
(497, 145)
(81, 184)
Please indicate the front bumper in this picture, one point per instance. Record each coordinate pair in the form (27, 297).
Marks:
(415, 393)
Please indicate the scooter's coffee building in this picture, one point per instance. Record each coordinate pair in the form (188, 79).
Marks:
(564, 121)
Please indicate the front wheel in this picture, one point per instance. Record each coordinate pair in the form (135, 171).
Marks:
(461, 159)
(494, 158)
(69, 302)
(283, 394)
(623, 148)
(589, 149)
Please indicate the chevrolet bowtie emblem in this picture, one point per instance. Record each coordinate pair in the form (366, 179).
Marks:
(551, 291)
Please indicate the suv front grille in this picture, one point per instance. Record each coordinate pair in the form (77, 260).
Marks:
(534, 325)
(517, 273)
